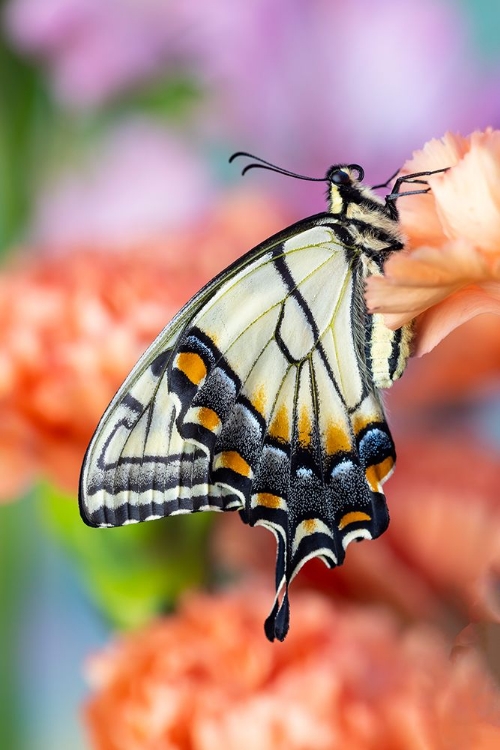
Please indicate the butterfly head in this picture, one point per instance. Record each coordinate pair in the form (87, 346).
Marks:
(344, 180)
(343, 183)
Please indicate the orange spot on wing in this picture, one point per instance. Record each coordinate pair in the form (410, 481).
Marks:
(192, 365)
(208, 418)
(268, 500)
(259, 400)
(280, 426)
(305, 427)
(309, 525)
(336, 439)
(360, 421)
(232, 460)
(378, 472)
(353, 517)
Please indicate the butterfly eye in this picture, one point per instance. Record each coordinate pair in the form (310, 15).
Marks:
(339, 177)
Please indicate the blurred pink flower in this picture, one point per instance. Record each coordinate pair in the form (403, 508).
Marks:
(206, 678)
(142, 181)
(96, 49)
(303, 84)
(450, 269)
(307, 85)
(314, 75)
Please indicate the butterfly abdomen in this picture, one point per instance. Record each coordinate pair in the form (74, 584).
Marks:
(387, 351)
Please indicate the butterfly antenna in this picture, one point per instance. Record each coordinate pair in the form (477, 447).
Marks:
(263, 164)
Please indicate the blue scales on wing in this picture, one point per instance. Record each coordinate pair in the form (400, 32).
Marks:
(259, 397)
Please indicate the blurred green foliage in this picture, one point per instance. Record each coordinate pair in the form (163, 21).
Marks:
(130, 574)
(173, 98)
(16, 562)
(35, 134)
(133, 572)
(24, 114)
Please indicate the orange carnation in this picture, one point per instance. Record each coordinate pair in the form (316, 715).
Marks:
(72, 325)
(207, 678)
(450, 269)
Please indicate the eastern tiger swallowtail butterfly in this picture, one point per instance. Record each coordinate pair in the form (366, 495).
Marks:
(262, 394)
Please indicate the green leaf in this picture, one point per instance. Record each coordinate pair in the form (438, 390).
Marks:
(173, 97)
(26, 117)
(16, 562)
(133, 572)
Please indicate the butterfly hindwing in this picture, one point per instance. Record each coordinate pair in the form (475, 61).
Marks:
(258, 397)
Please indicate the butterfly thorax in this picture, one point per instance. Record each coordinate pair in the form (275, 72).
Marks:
(372, 224)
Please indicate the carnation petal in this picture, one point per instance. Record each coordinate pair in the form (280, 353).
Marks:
(468, 196)
(346, 677)
(435, 284)
(450, 270)
(438, 321)
(420, 221)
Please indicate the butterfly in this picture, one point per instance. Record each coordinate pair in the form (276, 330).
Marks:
(262, 394)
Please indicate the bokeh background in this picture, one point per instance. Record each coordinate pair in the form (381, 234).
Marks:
(117, 202)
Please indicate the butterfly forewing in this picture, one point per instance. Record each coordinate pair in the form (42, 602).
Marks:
(253, 399)
(258, 397)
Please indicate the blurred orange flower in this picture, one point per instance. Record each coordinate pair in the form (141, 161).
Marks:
(207, 678)
(450, 270)
(72, 325)
(440, 558)
(445, 514)
(463, 368)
